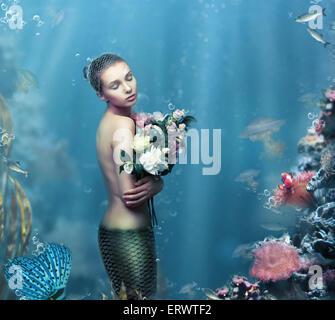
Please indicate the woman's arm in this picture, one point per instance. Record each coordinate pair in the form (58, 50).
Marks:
(144, 190)
(123, 136)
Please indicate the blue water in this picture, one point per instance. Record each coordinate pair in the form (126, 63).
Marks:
(227, 62)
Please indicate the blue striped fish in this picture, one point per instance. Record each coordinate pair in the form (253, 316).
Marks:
(44, 277)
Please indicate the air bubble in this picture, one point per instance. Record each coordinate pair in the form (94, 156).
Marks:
(310, 116)
(40, 248)
(77, 55)
(36, 17)
(171, 106)
(3, 7)
(267, 192)
(272, 201)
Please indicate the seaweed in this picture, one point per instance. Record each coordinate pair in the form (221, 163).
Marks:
(14, 237)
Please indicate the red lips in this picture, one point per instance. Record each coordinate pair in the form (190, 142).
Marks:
(131, 97)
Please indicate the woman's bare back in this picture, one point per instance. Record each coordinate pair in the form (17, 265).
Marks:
(117, 214)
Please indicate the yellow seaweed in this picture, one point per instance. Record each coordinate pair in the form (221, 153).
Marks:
(12, 229)
(139, 295)
(123, 293)
(25, 218)
(11, 239)
(2, 222)
(11, 248)
(6, 125)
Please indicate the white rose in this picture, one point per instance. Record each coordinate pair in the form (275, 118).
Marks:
(153, 161)
(158, 116)
(128, 167)
(141, 142)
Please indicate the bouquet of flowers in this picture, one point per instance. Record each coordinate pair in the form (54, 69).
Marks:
(158, 141)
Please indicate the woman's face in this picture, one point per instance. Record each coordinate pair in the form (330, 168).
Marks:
(118, 85)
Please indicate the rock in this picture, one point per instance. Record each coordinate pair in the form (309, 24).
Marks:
(321, 179)
(326, 248)
(327, 210)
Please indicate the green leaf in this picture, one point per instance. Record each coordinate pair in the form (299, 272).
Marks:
(188, 119)
(124, 156)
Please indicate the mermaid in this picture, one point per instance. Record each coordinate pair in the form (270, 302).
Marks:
(126, 238)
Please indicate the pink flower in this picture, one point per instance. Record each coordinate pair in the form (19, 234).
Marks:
(147, 129)
(275, 261)
(141, 117)
(330, 95)
(182, 126)
(140, 123)
(172, 127)
(178, 114)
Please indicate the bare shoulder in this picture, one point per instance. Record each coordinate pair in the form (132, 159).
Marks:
(111, 124)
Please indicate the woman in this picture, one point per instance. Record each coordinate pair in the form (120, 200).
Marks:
(126, 237)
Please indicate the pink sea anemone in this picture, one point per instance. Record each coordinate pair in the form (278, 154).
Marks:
(297, 196)
(275, 261)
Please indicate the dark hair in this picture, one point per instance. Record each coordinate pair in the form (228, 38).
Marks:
(93, 70)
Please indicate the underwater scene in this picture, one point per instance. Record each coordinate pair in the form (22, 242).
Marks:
(167, 150)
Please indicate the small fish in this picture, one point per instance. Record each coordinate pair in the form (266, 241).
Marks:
(310, 16)
(273, 227)
(210, 294)
(26, 80)
(317, 37)
(287, 179)
(45, 276)
(189, 289)
(15, 166)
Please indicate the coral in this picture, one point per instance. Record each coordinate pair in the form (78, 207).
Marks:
(328, 162)
(311, 143)
(239, 288)
(329, 277)
(275, 261)
(297, 196)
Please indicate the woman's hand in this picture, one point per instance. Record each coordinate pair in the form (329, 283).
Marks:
(144, 190)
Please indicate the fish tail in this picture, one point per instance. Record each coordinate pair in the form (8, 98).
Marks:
(326, 44)
(323, 12)
(129, 257)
